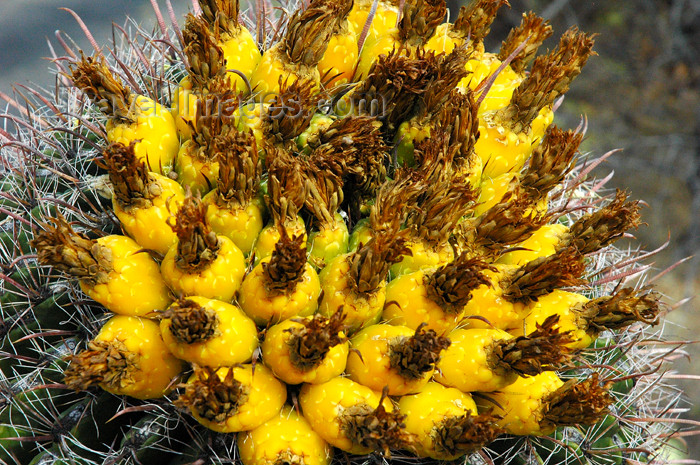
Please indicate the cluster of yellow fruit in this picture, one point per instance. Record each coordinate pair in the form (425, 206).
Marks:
(409, 259)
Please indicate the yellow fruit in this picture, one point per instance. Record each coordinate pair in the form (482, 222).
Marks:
(467, 364)
(142, 201)
(127, 357)
(409, 303)
(153, 129)
(298, 53)
(286, 438)
(396, 357)
(539, 404)
(233, 208)
(113, 270)
(131, 118)
(587, 318)
(328, 242)
(233, 399)
(443, 41)
(202, 263)
(281, 286)
(361, 309)
(309, 350)
(208, 332)
(488, 303)
(241, 225)
(352, 417)
(195, 169)
(444, 422)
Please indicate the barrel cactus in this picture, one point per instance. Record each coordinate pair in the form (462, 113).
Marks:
(321, 232)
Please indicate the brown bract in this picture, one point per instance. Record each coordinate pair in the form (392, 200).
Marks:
(510, 221)
(459, 435)
(369, 265)
(221, 15)
(191, 323)
(197, 244)
(543, 275)
(474, 20)
(239, 167)
(286, 266)
(61, 247)
(542, 350)
(95, 79)
(451, 285)
(109, 363)
(309, 344)
(532, 31)
(419, 20)
(309, 31)
(356, 146)
(413, 357)
(133, 185)
(550, 162)
(375, 429)
(290, 111)
(596, 230)
(549, 78)
(576, 403)
(211, 397)
(625, 307)
(324, 180)
(204, 55)
(458, 120)
(287, 189)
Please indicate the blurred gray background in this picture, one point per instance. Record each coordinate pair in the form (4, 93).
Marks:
(641, 94)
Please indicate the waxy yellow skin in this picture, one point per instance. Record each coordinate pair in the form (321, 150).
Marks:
(491, 192)
(235, 341)
(504, 151)
(323, 404)
(542, 243)
(361, 310)
(157, 370)
(276, 355)
(488, 302)
(521, 404)
(274, 68)
(197, 174)
(338, 63)
(464, 365)
(265, 308)
(425, 410)
(135, 286)
(149, 226)
(241, 224)
(423, 256)
(266, 396)
(154, 128)
(373, 48)
(443, 41)
(328, 242)
(385, 18)
(220, 280)
(372, 366)
(286, 436)
(241, 53)
(560, 303)
(481, 68)
(408, 304)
